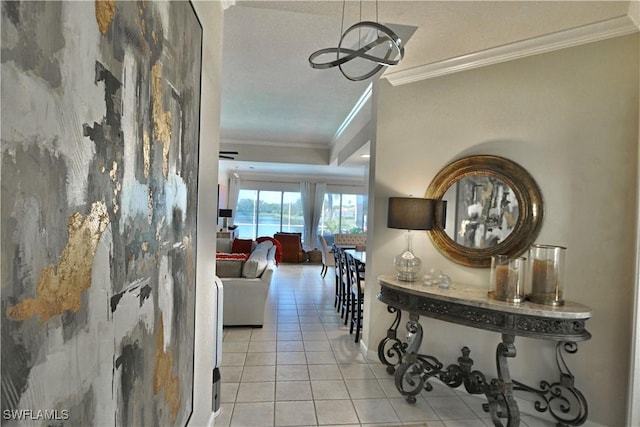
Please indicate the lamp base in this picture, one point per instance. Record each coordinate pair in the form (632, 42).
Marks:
(407, 266)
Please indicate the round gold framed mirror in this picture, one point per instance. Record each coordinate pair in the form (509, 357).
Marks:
(494, 206)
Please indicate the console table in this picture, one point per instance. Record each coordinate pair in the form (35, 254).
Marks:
(472, 307)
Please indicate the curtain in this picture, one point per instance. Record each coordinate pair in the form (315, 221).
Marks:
(312, 198)
(234, 192)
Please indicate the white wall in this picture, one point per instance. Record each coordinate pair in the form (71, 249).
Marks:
(210, 14)
(569, 117)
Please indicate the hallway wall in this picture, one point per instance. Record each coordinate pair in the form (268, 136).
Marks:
(569, 117)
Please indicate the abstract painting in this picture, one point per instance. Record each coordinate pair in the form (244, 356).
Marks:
(100, 142)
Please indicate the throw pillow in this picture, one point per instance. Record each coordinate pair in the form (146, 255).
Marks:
(257, 262)
(276, 243)
(242, 246)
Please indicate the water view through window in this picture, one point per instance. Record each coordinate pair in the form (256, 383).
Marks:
(264, 213)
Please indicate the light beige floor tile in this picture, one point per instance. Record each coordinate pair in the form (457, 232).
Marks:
(293, 390)
(237, 334)
(258, 359)
(329, 390)
(533, 421)
(413, 412)
(228, 392)
(293, 311)
(258, 414)
(233, 359)
(234, 346)
(258, 374)
(317, 345)
(230, 374)
(283, 346)
(356, 371)
(465, 423)
(288, 327)
(450, 408)
(314, 335)
(324, 372)
(335, 412)
(224, 418)
(291, 358)
(292, 372)
(288, 319)
(311, 327)
(320, 357)
(305, 318)
(389, 387)
(295, 413)
(256, 392)
(380, 371)
(289, 336)
(262, 346)
(364, 389)
(264, 335)
(375, 411)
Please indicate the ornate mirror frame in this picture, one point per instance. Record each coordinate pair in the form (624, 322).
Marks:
(526, 191)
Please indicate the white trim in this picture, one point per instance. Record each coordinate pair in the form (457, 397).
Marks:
(231, 141)
(589, 33)
(354, 112)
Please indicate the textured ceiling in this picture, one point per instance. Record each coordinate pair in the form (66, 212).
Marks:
(270, 93)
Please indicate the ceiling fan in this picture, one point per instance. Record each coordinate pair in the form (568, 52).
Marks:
(227, 155)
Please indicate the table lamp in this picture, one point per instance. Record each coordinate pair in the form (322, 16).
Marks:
(225, 214)
(412, 213)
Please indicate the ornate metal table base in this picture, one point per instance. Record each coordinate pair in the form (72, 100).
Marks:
(564, 402)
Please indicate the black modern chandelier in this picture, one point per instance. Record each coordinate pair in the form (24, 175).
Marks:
(377, 45)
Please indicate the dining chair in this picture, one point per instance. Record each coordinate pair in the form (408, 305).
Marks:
(356, 290)
(328, 259)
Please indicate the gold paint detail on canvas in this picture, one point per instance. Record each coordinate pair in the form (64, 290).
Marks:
(161, 118)
(60, 288)
(146, 153)
(105, 10)
(163, 377)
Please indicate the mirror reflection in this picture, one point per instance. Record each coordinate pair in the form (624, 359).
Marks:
(483, 211)
(494, 206)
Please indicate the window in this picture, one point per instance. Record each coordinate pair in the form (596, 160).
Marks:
(343, 213)
(264, 213)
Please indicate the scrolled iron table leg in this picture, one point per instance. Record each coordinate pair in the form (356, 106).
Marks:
(411, 375)
(390, 348)
(502, 403)
(566, 404)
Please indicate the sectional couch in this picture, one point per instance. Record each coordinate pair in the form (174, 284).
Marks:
(246, 282)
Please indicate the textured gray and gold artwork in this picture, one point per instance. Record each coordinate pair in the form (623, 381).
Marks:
(100, 130)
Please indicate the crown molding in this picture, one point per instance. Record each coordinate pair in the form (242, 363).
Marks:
(589, 33)
(264, 143)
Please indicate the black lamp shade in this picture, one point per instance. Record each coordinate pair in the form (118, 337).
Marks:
(414, 213)
(224, 213)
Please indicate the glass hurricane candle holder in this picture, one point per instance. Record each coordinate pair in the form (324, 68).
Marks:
(546, 274)
(507, 278)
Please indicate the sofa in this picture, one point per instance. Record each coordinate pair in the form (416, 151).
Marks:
(292, 250)
(246, 278)
(350, 240)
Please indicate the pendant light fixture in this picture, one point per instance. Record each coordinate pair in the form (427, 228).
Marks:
(377, 46)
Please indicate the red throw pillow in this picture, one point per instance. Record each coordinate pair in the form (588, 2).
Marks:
(242, 246)
(276, 243)
(238, 256)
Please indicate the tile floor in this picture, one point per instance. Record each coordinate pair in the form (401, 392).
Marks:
(303, 368)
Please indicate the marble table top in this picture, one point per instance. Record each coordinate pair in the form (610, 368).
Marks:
(478, 297)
